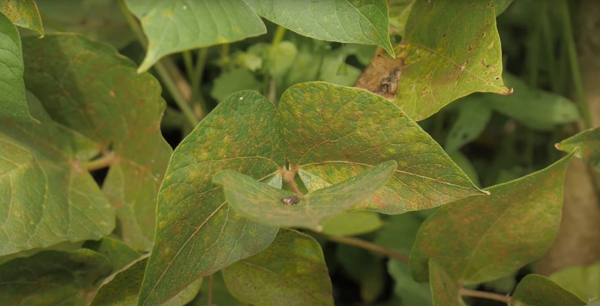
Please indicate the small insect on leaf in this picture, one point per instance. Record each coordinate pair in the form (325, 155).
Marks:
(291, 200)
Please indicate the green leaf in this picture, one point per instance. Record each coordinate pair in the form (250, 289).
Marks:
(334, 133)
(399, 232)
(352, 223)
(330, 132)
(444, 288)
(465, 164)
(501, 5)
(411, 292)
(583, 281)
(291, 271)
(537, 290)
(534, 108)
(174, 27)
(452, 50)
(521, 218)
(118, 253)
(280, 58)
(99, 20)
(88, 87)
(473, 115)
(49, 196)
(265, 204)
(399, 12)
(13, 105)
(233, 81)
(347, 21)
(588, 142)
(52, 278)
(123, 287)
(192, 212)
(220, 295)
(23, 13)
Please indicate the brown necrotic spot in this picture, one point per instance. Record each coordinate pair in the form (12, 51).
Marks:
(291, 200)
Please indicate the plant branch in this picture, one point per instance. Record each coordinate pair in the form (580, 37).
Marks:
(365, 245)
(485, 295)
(160, 67)
(105, 161)
(196, 80)
(210, 290)
(574, 64)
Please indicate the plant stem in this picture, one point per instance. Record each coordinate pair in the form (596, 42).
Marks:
(105, 161)
(160, 67)
(365, 245)
(485, 295)
(574, 63)
(196, 80)
(210, 290)
(278, 35)
(189, 65)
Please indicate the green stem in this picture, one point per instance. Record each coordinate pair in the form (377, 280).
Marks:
(485, 295)
(278, 35)
(160, 67)
(210, 290)
(574, 64)
(196, 80)
(365, 245)
(105, 161)
(189, 65)
(549, 48)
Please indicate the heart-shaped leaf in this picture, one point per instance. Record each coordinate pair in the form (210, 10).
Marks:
(521, 218)
(291, 271)
(52, 278)
(330, 133)
(88, 87)
(537, 290)
(48, 196)
(12, 102)
(588, 142)
(452, 49)
(269, 206)
(23, 13)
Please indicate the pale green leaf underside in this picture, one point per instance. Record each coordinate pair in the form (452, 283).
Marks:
(352, 223)
(520, 217)
(537, 290)
(583, 281)
(291, 271)
(264, 204)
(12, 101)
(452, 50)
(181, 25)
(48, 197)
(348, 21)
(23, 13)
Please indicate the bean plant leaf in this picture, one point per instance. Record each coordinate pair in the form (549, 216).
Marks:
(176, 26)
(452, 49)
(588, 142)
(583, 281)
(49, 196)
(23, 13)
(334, 133)
(219, 293)
(346, 21)
(13, 105)
(405, 287)
(89, 87)
(52, 278)
(123, 287)
(520, 217)
(444, 288)
(399, 12)
(473, 116)
(331, 132)
(352, 223)
(266, 205)
(233, 81)
(118, 253)
(291, 271)
(501, 5)
(537, 290)
(98, 20)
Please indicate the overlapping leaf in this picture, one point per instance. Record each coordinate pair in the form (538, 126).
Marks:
(352, 223)
(330, 132)
(89, 88)
(265, 204)
(118, 253)
(537, 290)
(13, 105)
(521, 218)
(52, 278)
(46, 193)
(23, 13)
(177, 26)
(452, 49)
(444, 288)
(583, 281)
(588, 143)
(123, 287)
(291, 271)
